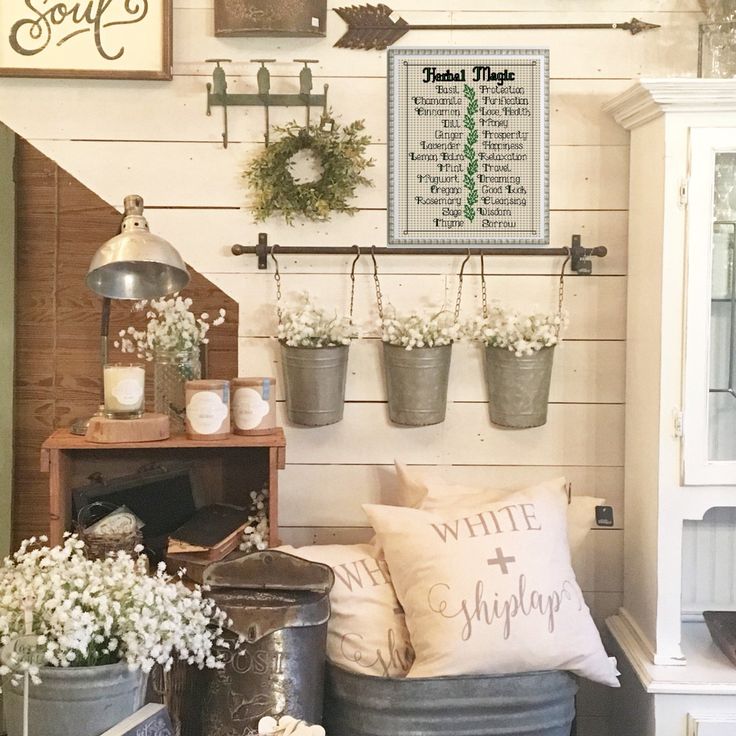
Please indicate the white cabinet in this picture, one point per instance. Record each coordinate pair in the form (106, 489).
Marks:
(680, 456)
(709, 407)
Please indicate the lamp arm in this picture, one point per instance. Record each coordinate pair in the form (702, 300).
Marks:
(104, 332)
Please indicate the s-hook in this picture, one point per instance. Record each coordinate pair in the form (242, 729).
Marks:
(352, 280)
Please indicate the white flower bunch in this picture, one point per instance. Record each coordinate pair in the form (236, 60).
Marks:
(94, 612)
(305, 325)
(255, 533)
(419, 329)
(287, 726)
(172, 328)
(522, 334)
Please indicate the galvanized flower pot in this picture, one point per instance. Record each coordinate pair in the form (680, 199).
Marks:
(314, 380)
(518, 386)
(84, 701)
(532, 704)
(416, 383)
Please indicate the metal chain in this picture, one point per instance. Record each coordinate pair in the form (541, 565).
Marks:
(379, 296)
(277, 279)
(561, 295)
(484, 293)
(459, 298)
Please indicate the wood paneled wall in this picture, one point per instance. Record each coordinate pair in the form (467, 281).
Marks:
(60, 224)
(155, 139)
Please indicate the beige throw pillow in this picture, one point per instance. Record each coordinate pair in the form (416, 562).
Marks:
(367, 631)
(433, 494)
(491, 590)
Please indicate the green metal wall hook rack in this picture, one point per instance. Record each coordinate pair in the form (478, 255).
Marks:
(579, 256)
(218, 96)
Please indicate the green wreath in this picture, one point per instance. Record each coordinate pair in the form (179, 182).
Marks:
(340, 151)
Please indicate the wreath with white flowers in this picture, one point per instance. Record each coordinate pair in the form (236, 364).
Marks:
(337, 156)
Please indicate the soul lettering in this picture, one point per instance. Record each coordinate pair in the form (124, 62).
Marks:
(514, 517)
(365, 573)
(494, 609)
(388, 661)
(59, 22)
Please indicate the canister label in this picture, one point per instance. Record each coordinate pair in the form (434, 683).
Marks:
(248, 408)
(128, 392)
(206, 412)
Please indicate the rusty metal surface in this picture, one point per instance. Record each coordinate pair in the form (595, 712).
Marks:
(270, 17)
(279, 605)
(256, 614)
(533, 704)
(270, 570)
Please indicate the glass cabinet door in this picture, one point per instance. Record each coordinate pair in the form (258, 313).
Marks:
(709, 440)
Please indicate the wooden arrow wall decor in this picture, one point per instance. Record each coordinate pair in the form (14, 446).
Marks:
(377, 27)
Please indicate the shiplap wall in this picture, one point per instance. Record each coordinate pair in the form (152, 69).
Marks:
(154, 139)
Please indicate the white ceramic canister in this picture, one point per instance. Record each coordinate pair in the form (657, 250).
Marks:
(208, 409)
(254, 405)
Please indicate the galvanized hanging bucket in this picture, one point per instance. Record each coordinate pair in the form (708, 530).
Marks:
(531, 704)
(518, 386)
(279, 605)
(416, 383)
(314, 380)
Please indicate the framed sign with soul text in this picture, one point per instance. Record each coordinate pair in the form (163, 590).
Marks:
(468, 147)
(95, 39)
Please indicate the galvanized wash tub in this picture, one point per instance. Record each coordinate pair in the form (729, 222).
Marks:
(530, 704)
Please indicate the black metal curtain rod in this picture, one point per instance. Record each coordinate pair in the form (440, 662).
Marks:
(579, 256)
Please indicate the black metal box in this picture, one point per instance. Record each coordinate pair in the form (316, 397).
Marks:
(270, 17)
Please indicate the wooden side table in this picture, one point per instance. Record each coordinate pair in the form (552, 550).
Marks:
(223, 470)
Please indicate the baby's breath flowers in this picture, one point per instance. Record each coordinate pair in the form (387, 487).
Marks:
(95, 612)
(172, 328)
(255, 533)
(418, 329)
(522, 334)
(303, 324)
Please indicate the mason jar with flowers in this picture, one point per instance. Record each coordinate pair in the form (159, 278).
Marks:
(314, 355)
(79, 636)
(417, 349)
(172, 340)
(519, 353)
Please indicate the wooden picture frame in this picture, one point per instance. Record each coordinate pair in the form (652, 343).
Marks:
(120, 39)
(468, 147)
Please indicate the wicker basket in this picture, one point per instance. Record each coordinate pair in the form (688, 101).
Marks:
(98, 546)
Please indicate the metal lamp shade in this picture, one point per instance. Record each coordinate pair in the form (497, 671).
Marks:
(136, 264)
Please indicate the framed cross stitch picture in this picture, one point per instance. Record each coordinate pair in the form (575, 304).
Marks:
(468, 147)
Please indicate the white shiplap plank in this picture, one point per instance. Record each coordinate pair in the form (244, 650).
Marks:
(331, 495)
(113, 113)
(587, 371)
(575, 434)
(595, 304)
(582, 177)
(205, 238)
(627, 6)
(604, 546)
(671, 49)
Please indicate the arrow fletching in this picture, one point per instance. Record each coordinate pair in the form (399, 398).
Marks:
(370, 27)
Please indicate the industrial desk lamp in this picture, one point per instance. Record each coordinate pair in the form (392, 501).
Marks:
(136, 264)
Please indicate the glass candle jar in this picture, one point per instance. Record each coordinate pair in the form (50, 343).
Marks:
(124, 390)
(208, 409)
(254, 405)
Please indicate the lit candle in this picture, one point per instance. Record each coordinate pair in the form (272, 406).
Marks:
(124, 391)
